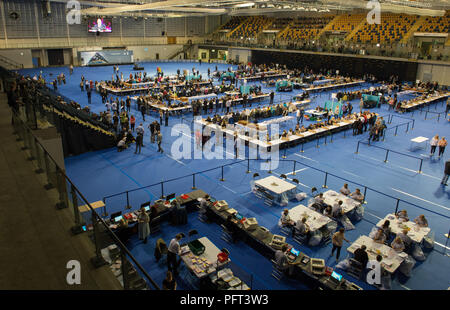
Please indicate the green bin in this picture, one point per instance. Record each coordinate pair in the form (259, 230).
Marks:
(196, 247)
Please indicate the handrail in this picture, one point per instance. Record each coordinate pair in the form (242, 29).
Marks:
(295, 162)
(113, 235)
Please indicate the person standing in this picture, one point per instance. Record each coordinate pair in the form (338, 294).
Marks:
(442, 144)
(159, 141)
(169, 282)
(128, 104)
(139, 140)
(132, 122)
(166, 118)
(160, 117)
(172, 251)
(433, 143)
(446, 173)
(89, 95)
(143, 226)
(338, 239)
(143, 111)
(272, 95)
(71, 69)
(361, 105)
(152, 132)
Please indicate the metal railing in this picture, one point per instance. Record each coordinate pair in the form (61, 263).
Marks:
(132, 277)
(220, 176)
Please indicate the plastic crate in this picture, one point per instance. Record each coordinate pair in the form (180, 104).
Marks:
(196, 247)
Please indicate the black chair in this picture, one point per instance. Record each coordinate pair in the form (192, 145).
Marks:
(295, 181)
(192, 232)
(298, 237)
(356, 269)
(283, 176)
(255, 175)
(155, 225)
(277, 273)
(286, 230)
(226, 235)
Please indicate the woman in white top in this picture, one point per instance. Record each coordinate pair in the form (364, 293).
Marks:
(285, 219)
(434, 142)
(398, 245)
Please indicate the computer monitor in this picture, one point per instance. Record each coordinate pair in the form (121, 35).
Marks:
(336, 276)
(117, 218)
(295, 252)
(170, 197)
(238, 216)
(145, 204)
(147, 208)
(116, 214)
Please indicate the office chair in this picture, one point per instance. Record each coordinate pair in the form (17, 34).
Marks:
(356, 269)
(314, 192)
(155, 225)
(295, 181)
(298, 237)
(277, 273)
(226, 235)
(255, 175)
(283, 176)
(192, 232)
(286, 230)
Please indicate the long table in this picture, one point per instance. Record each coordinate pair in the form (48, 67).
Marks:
(348, 204)
(391, 259)
(260, 239)
(334, 86)
(280, 142)
(413, 105)
(415, 232)
(204, 264)
(314, 219)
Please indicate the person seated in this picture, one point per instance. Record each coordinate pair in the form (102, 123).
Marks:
(345, 190)
(285, 219)
(356, 195)
(386, 229)
(122, 144)
(407, 241)
(398, 245)
(328, 211)
(421, 221)
(231, 227)
(301, 227)
(402, 216)
(379, 236)
(282, 262)
(337, 210)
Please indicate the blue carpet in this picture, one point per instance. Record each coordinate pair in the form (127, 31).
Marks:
(107, 172)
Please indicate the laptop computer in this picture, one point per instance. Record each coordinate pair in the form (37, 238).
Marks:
(117, 219)
(170, 197)
(336, 277)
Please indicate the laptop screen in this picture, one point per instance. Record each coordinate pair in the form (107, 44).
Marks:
(295, 252)
(238, 216)
(147, 208)
(118, 218)
(336, 275)
(170, 197)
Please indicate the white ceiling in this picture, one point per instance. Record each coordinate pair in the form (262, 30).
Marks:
(177, 8)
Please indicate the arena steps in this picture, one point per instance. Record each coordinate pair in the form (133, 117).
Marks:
(413, 29)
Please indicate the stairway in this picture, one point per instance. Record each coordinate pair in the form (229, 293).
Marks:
(357, 28)
(240, 25)
(10, 64)
(413, 29)
(328, 26)
(183, 50)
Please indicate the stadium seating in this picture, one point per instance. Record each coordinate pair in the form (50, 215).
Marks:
(436, 24)
(347, 22)
(305, 28)
(392, 29)
(251, 27)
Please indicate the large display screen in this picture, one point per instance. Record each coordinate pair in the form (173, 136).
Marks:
(99, 25)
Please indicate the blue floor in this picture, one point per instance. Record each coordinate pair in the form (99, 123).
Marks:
(107, 172)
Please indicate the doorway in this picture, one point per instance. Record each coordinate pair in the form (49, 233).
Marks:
(55, 57)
